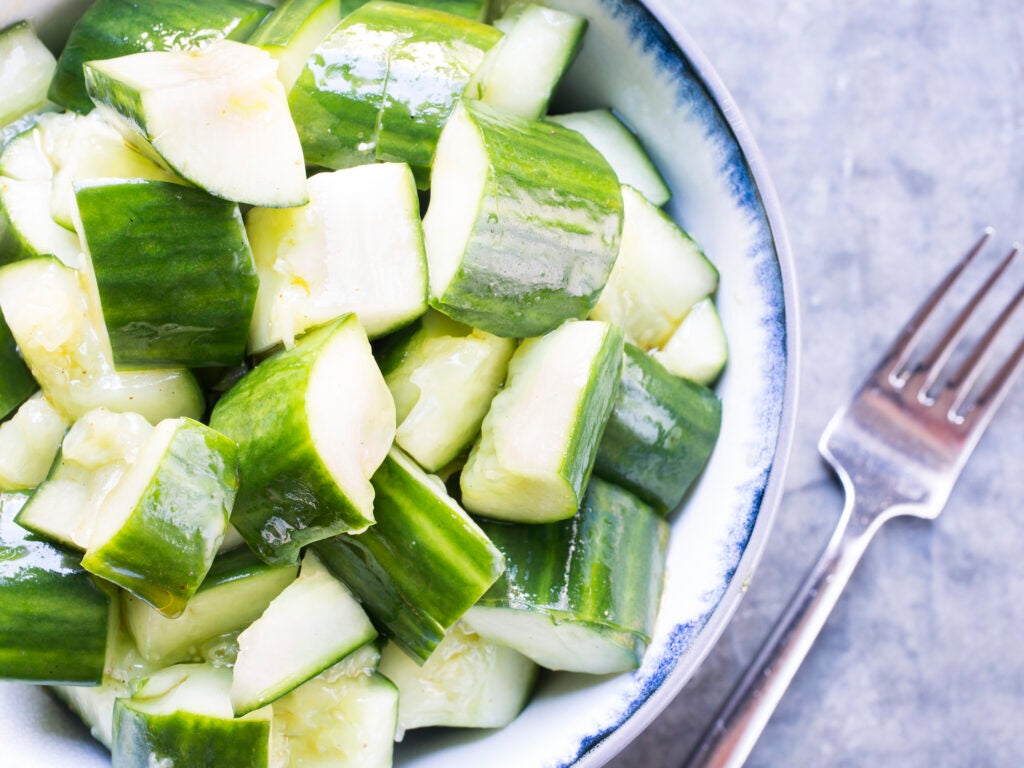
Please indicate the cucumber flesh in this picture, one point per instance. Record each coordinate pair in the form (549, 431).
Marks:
(29, 440)
(540, 438)
(26, 73)
(207, 114)
(293, 31)
(698, 349)
(659, 275)
(470, 9)
(621, 148)
(313, 624)
(466, 683)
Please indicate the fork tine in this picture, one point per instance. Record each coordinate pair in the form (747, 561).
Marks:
(979, 412)
(899, 352)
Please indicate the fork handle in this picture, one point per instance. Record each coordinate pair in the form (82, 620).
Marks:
(729, 740)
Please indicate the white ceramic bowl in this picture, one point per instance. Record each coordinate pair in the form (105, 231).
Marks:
(640, 61)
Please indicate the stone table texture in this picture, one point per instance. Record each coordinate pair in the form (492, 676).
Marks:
(894, 132)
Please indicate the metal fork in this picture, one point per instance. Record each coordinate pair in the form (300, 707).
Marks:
(898, 447)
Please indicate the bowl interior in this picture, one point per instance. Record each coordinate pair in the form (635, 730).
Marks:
(663, 87)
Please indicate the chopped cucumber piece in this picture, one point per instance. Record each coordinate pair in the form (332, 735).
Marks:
(95, 454)
(181, 716)
(421, 566)
(292, 31)
(466, 683)
(443, 376)
(345, 716)
(112, 28)
(16, 382)
(621, 148)
(54, 619)
(54, 314)
(313, 423)
(237, 589)
(470, 9)
(698, 349)
(660, 434)
(25, 75)
(539, 439)
(158, 530)
(174, 270)
(207, 114)
(659, 275)
(29, 440)
(382, 84)
(578, 595)
(357, 247)
(523, 224)
(521, 72)
(312, 625)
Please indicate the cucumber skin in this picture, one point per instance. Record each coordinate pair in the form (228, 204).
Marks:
(160, 553)
(602, 568)
(342, 123)
(661, 432)
(554, 168)
(286, 497)
(475, 10)
(187, 739)
(54, 619)
(113, 28)
(420, 567)
(16, 381)
(142, 282)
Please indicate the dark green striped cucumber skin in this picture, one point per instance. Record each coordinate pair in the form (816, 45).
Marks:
(661, 432)
(16, 381)
(162, 552)
(286, 497)
(469, 9)
(112, 28)
(527, 265)
(382, 84)
(53, 616)
(423, 564)
(602, 568)
(282, 25)
(176, 276)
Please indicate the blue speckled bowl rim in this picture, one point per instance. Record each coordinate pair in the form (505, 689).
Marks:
(654, 22)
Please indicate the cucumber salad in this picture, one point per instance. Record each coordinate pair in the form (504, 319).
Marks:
(344, 390)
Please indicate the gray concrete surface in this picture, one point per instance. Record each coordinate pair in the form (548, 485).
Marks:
(894, 132)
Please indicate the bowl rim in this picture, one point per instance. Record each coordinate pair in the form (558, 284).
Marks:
(664, 13)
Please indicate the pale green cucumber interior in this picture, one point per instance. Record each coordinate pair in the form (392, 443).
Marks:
(29, 440)
(198, 689)
(698, 349)
(307, 32)
(26, 204)
(26, 74)
(457, 185)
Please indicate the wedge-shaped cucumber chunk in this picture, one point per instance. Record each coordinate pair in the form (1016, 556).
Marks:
(112, 28)
(237, 589)
(523, 224)
(443, 376)
(466, 683)
(26, 73)
(382, 84)
(579, 595)
(158, 530)
(312, 625)
(293, 30)
(357, 247)
(698, 349)
(313, 423)
(207, 114)
(54, 314)
(345, 716)
(540, 437)
(16, 382)
(659, 275)
(422, 565)
(29, 440)
(522, 71)
(95, 454)
(181, 716)
(660, 434)
(175, 274)
(470, 9)
(621, 148)
(54, 618)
